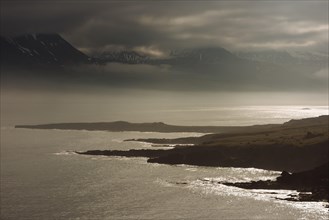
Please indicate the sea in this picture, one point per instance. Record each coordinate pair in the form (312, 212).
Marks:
(42, 177)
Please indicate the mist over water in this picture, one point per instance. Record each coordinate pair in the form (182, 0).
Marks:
(180, 108)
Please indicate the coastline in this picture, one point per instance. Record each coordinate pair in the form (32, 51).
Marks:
(298, 146)
(119, 126)
(312, 185)
(294, 146)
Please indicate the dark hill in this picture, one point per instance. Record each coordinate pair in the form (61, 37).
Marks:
(39, 50)
(297, 147)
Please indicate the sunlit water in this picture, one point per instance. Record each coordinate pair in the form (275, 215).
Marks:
(41, 177)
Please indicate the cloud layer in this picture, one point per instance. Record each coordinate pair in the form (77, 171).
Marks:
(154, 27)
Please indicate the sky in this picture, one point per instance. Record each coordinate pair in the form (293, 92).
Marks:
(157, 27)
(153, 27)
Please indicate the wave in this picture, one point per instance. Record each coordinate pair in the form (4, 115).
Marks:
(206, 186)
(66, 153)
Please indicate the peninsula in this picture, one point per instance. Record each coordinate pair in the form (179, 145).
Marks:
(294, 146)
(297, 146)
(118, 126)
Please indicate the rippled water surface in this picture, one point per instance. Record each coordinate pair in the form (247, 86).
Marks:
(41, 177)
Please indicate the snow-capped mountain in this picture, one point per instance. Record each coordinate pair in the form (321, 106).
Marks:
(40, 49)
(51, 50)
(176, 57)
(49, 57)
(129, 57)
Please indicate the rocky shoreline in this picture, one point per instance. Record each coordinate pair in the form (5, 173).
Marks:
(300, 147)
(270, 157)
(312, 185)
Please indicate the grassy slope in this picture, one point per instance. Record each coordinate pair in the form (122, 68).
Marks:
(293, 146)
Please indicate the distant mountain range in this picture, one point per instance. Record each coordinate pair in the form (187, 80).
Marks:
(176, 57)
(210, 66)
(52, 49)
(129, 57)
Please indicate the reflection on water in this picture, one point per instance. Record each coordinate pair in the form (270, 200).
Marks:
(275, 196)
(42, 177)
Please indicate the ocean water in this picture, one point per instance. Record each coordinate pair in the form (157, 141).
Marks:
(42, 178)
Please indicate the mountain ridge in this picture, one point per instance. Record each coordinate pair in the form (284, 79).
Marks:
(50, 58)
(40, 49)
(52, 46)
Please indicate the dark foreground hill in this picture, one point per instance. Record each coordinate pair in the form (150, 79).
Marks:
(293, 146)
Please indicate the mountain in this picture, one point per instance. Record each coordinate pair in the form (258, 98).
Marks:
(226, 70)
(208, 55)
(39, 50)
(128, 57)
(49, 57)
(176, 57)
(52, 49)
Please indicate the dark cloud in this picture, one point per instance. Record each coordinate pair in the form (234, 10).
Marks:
(30, 16)
(98, 25)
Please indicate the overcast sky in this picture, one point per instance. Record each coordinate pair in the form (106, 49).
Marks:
(154, 26)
